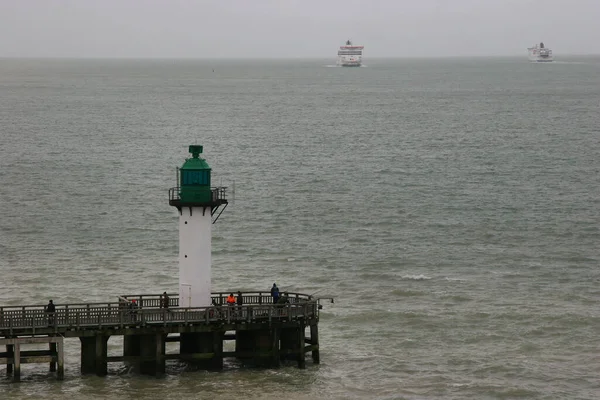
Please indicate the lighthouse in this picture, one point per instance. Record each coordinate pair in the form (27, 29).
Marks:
(199, 206)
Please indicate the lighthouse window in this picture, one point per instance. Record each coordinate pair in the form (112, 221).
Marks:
(195, 178)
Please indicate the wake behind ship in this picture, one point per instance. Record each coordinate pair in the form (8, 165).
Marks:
(350, 55)
(540, 53)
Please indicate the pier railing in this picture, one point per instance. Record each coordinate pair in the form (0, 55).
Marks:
(104, 316)
(257, 307)
(219, 298)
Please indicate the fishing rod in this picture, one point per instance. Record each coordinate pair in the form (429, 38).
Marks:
(319, 298)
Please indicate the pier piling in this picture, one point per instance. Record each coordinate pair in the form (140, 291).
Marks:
(15, 354)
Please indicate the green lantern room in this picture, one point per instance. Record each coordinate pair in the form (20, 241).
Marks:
(194, 178)
(194, 185)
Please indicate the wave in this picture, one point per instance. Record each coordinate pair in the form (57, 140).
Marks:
(420, 277)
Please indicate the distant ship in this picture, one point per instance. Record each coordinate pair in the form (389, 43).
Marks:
(540, 53)
(350, 55)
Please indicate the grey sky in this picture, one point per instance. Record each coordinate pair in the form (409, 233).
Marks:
(294, 28)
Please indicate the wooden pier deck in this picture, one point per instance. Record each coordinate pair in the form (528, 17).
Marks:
(264, 333)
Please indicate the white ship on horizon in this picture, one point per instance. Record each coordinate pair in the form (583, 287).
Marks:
(540, 53)
(350, 55)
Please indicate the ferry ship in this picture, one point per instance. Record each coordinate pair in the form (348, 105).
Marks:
(350, 55)
(540, 53)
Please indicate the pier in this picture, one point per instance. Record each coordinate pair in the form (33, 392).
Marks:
(265, 334)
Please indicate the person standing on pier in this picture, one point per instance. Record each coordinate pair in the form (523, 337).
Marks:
(50, 311)
(133, 307)
(230, 299)
(240, 302)
(164, 300)
(231, 303)
(275, 293)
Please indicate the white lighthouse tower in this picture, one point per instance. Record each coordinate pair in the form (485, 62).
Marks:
(197, 204)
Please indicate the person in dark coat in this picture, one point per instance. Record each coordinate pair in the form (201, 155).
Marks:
(164, 301)
(51, 312)
(275, 293)
(133, 307)
(240, 302)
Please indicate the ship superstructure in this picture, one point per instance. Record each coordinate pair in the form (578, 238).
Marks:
(350, 55)
(540, 53)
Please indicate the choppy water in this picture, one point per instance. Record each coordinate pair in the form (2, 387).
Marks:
(450, 206)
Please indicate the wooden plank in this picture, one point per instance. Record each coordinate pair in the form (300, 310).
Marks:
(31, 340)
(35, 353)
(30, 359)
(38, 359)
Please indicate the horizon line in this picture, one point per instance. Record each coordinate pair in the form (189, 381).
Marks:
(273, 57)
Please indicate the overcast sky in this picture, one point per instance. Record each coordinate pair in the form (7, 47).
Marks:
(294, 28)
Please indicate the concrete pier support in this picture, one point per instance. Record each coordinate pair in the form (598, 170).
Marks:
(203, 349)
(60, 350)
(289, 339)
(131, 348)
(53, 353)
(217, 344)
(17, 362)
(275, 355)
(301, 352)
(314, 341)
(244, 344)
(292, 345)
(94, 355)
(261, 347)
(152, 353)
(10, 353)
(131, 345)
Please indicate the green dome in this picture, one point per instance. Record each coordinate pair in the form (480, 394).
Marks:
(195, 162)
